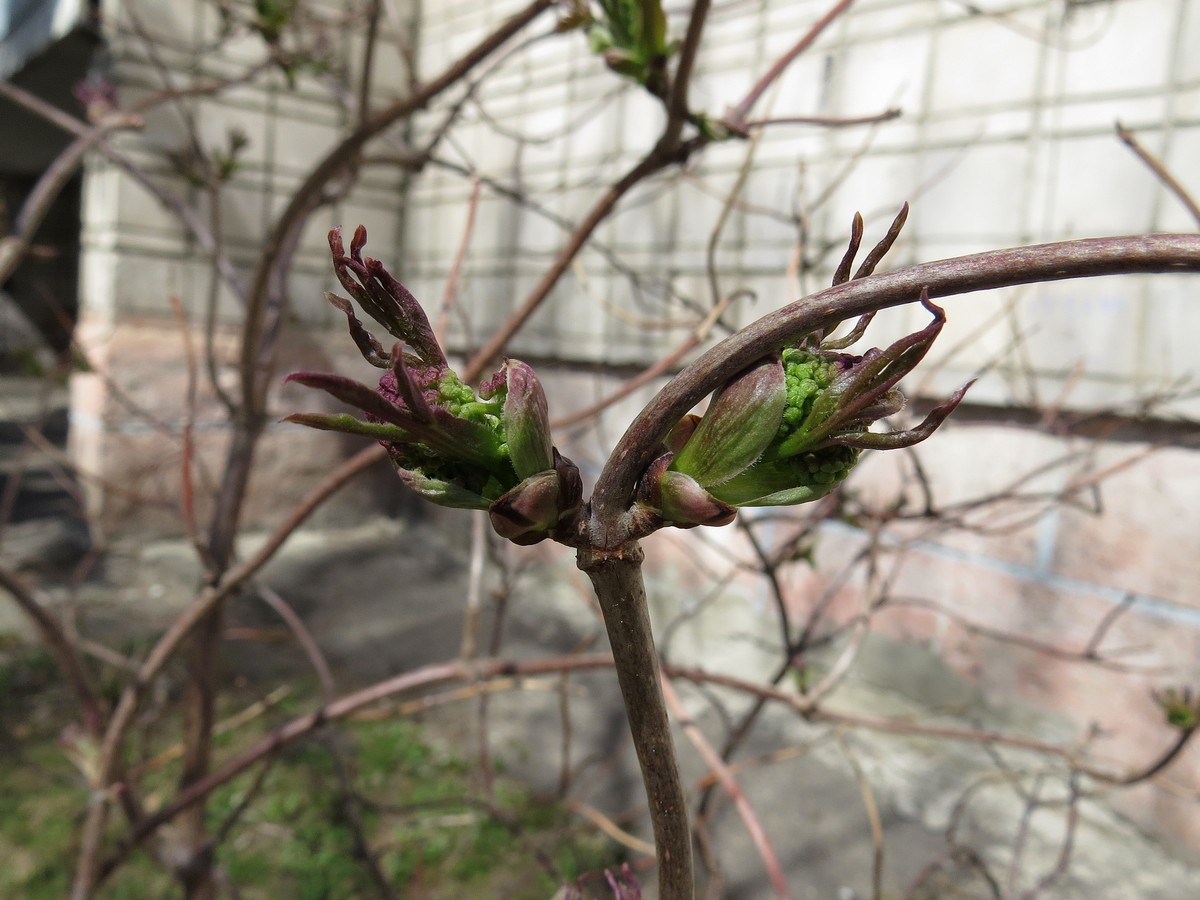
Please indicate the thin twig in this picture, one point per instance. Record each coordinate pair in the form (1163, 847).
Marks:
(609, 827)
(65, 653)
(720, 771)
(714, 237)
(450, 294)
(600, 211)
(872, 810)
(307, 196)
(1068, 846)
(474, 607)
(1155, 165)
(50, 185)
(444, 673)
(736, 117)
(677, 100)
(188, 216)
(186, 487)
(304, 638)
(824, 121)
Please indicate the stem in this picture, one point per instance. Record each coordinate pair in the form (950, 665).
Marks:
(653, 162)
(203, 655)
(616, 576)
(307, 197)
(433, 676)
(737, 116)
(1169, 181)
(610, 525)
(677, 103)
(65, 653)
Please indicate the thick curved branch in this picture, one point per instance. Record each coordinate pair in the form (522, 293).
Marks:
(615, 487)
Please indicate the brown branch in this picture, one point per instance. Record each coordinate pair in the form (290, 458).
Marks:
(478, 672)
(616, 577)
(677, 101)
(450, 293)
(187, 215)
(610, 828)
(736, 117)
(872, 810)
(374, 8)
(424, 678)
(1155, 165)
(260, 331)
(724, 777)
(666, 151)
(1068, 846)
(825, 121)
(304, 638)
(1090, 654)
(1146, 773)
(727, 206)
(187, 492)
(60, 646)
(307, 196)
(119, 724)
(664, 365)
(13, 247)
(494, 348)
(609, 526)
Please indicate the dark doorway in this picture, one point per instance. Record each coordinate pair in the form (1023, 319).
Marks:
(41, 520)
(44, 288)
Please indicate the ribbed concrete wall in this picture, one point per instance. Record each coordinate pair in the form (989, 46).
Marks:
(1005, 137)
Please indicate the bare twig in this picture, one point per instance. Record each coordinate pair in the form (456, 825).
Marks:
(304, 638)
(677, 100)
(450, 294)
(494, 347)
(1169, 181)
(1068, 845)
(33, 212)
(56, 641)
(736, 117)
(474, 674)
(824, 121)
(872, 810)
(609, 827)
(186, 487)
(729, 784)
(307, 196)
(188, 216)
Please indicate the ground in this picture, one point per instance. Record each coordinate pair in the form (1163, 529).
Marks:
(384, 597)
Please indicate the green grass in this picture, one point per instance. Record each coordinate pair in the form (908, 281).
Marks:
(427, 821)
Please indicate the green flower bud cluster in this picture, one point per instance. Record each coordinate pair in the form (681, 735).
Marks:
(805, 375)
(788, 430)
(462, 401)
(630, 35)
(455, 446)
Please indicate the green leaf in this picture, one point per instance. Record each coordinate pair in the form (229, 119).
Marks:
(739, 424)
(347, 424)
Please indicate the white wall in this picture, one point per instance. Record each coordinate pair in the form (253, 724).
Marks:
(1007, 137)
